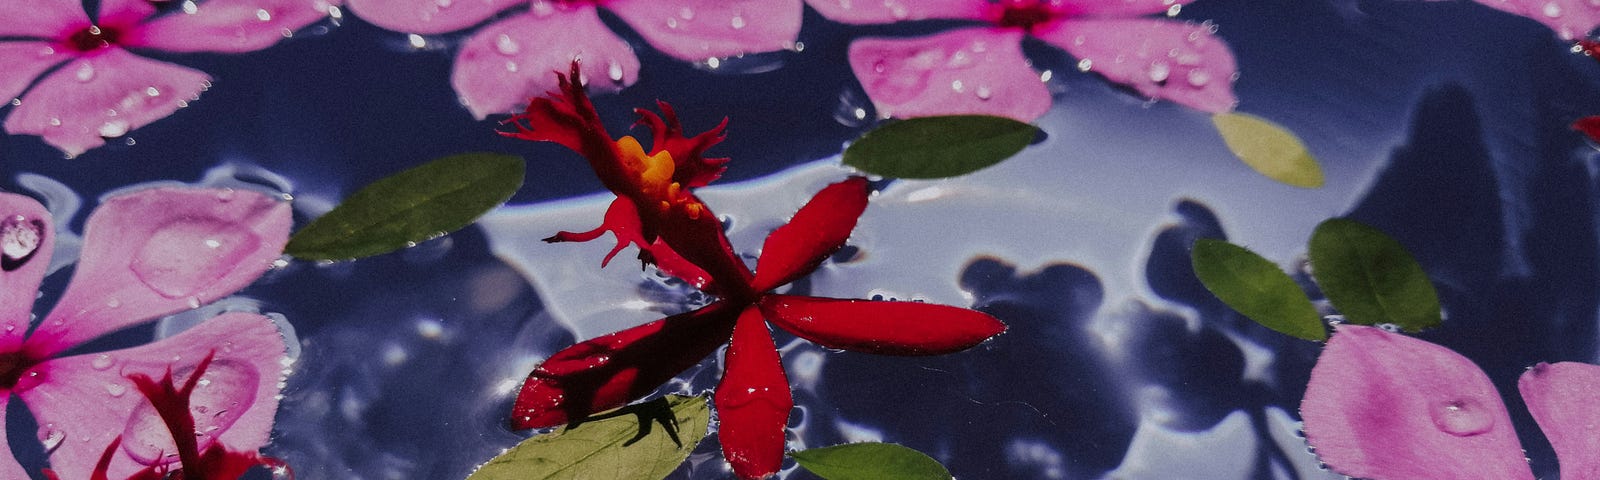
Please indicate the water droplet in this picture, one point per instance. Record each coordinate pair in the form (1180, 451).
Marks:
(189, 7)
(194, 302)
(19, 240)
(543, 8)
(443, 3)
(959, 60)
(16, 102)
(1172, 11)
(116, 389)
(263, 15)
(880, 66)
(505, 45)
(737, 22)
(1159, 72)
(957, 86)
(672, 22)
(1085, 64)
(1551, 10)
(101, 362)
(417, 41)
(1461, 417)
(1046, 75)
(713, 62)
(55, 122)
(686, 13)
(51, 437)
(984, 93)
(511, 66)
(223, 394)
(85, 72)
(177, 262)
(114, 129)
(614, 71)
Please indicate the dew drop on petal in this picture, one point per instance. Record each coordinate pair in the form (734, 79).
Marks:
(1198, 78)
(190, 7)
(85, 72)
(1552, 10)
(116, 390)
(263, 15)
(1461, 417)
(178, 260)
(416, 41)
(1159, 71)
(506, 46)
(16, 102)
(984, 93)
(113, 129)
(1173, 11)
(51, 437)
(1085, 64)
(614, 71)
(737, 22)
(957, 86)
(101, 362)
(19, 239)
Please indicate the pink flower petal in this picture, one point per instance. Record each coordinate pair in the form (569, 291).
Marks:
(26, 240)
(888, 328)
(1565, 399)
(106, 95)
(1386, 406)
(753, 400)
(1120, 8)
(609, 371)
(816, 231)
(158, 251)
(8, 464)
(962, 71)
(1571, 19)
(890, 11)
(1164, 59)
(24, 62)
(509, 62)
(41, 18)
(124, 13)
(428, 16)
(83, 402)
(230, 26)
(699, 29)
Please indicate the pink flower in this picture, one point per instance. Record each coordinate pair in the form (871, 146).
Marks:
(100, 88)
(1571, 19)
(1386, 406)
(509, 61)
(145, 254)
(981, 70)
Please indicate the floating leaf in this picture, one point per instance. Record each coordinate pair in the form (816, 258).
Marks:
(1370, 277)
(419, 204)
(646, 441)
(1256, 288)
(870, 461)
(938, 147)
(1269, 149)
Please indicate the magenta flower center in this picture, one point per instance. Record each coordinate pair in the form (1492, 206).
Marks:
(93, 38)
(1025, 15)
(12, 366)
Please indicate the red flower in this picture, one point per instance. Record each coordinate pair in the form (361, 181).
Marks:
(675, 230)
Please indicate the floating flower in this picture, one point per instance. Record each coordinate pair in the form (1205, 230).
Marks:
(981, 70)
(145, 254)
(510, 60)
(656, 211)
(1571, 19)
(100, 89)
(1386, 406)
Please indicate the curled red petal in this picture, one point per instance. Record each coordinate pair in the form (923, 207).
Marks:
(1590, 126)
(609, 371)
(668, 261)
(753, 400)
(692, 168)
(621, 219)
(816, 231)
(889, 328)
(568, 118)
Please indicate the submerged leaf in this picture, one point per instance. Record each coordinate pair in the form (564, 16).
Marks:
(870, 461)
(1256, 288)
(1371, 278)
(1269, 148)
(644, 441)
(415, 205)
(938, 147)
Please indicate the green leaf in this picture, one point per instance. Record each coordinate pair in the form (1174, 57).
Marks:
(938, 147)
(419, 204)
(1370, 277)
(639, 442)
(1269, 148)
(1256, 288)
(870, 461)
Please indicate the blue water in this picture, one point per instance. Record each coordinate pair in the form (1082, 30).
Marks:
(1442, 123)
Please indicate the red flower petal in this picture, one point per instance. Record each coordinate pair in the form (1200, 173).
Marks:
(1590, 126)
(1386, 406)
(753, 400)
(622, 220)
(609, 371)
(692, 169)
(1564, 399)
(816, 231)
(890, 328)
(568, 118)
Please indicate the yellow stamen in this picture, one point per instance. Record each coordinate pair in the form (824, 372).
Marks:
(655, 171)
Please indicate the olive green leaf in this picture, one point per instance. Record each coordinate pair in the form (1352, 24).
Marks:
(1371, 278)
(1256, 288)
(870, 461)
(938, 147)
(639, 442)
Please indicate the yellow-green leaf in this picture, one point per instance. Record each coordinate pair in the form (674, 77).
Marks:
(412, 206)
(1256, 288)
(870, 461)
(640, 442)
(1269, 148)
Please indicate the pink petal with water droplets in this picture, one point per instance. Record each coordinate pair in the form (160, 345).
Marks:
(963, 71)
(890, 11)
(27, 238)
(85, 401)
(41, 18)
(1163, 59)
(507, 63)
(107, 95)
(1382, 405)
(1121, 8)
(428, 16)
(1571, 19)
(24, 62)
(753, 400)
(124, 13)
(1565, 399)
(230, 26)
(163, 250)
(8, 464)
(698, 29)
